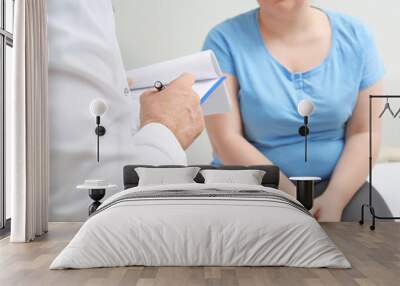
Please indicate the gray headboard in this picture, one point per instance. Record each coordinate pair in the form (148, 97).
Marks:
(271, 177)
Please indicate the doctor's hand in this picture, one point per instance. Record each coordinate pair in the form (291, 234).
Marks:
(325, 209)
(130, 82)
(176, 107)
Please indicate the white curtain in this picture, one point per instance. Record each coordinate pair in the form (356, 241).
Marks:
(28, 125)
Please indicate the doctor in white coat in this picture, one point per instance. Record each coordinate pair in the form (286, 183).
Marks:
(85, 63)
(85, 59)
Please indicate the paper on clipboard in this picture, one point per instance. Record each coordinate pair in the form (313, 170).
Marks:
(209, 85)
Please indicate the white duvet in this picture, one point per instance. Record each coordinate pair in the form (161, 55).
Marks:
(202, 231)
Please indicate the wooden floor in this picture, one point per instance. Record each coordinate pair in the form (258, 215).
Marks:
(375, 257)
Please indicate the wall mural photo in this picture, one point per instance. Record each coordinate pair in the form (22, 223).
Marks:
(191, 136)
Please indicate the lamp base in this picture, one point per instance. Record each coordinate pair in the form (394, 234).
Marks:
(96, 195)
(304, 130)
(100, 130)
(305, 193)
(305, 190)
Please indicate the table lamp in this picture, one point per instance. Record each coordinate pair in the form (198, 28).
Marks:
(305, 108)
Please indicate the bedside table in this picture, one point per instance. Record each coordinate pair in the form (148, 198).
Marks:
(97, 190)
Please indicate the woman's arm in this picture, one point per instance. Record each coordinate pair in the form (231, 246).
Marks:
(353, 166)
(226, 135)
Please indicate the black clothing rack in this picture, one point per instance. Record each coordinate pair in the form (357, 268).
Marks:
(370, 201)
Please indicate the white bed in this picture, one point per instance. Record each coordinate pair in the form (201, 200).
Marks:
(184, 230)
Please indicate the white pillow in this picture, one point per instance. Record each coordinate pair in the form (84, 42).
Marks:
(163, 176)
(248, 177)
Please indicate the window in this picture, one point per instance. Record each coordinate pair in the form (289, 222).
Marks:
(6, 65)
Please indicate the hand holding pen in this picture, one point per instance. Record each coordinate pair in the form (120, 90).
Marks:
(176, 106)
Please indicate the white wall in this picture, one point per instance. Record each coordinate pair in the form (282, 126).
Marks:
(154, 30)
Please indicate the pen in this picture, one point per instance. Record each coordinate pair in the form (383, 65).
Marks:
(159, 85)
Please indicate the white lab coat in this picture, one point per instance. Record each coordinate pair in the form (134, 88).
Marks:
(85, 59)
(85, 63)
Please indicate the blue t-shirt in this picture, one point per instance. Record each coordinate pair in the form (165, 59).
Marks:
(269, 93)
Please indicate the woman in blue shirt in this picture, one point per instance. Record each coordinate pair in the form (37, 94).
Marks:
(274, 57)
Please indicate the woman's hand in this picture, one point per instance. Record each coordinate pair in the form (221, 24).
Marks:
(327, 209)
(352, 168)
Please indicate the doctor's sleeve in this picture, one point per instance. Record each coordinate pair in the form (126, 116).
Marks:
(217, 42)
(155, 144)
